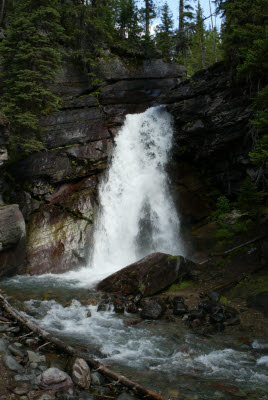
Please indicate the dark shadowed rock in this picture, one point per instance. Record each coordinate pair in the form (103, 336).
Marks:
(179, 307)
(147, 276)
(119, 307)
(12, 239)
(259, 301)
(152, 309)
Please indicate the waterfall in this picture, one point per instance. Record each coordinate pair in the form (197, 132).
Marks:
(136, 214)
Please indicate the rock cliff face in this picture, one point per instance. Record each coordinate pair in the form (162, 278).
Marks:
(213, 137)
(56, 189)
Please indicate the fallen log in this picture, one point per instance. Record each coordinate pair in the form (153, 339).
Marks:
(225, 253)
(48, 337)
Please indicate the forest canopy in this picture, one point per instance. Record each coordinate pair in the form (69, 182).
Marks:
(37, 37)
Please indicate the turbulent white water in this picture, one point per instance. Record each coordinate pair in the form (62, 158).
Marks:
(137, 215)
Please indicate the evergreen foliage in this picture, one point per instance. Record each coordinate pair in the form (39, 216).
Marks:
(244, 36)
(164, 35)
(249, 199)
(30, 58)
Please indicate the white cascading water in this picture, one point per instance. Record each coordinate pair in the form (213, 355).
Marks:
(137, 215)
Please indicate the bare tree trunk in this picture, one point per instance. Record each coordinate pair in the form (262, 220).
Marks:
(214, 34)
(202, 51)
(2, 12)
(147, 18)
(181, 6)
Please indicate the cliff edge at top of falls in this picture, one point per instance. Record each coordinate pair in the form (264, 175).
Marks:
(56, 189)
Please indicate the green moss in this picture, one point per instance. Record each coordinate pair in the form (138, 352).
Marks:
(180, 286)
(171, 258)
(251, 285)
(142, 287)
(223, 300)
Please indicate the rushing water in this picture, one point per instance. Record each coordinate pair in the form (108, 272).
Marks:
(136, 217)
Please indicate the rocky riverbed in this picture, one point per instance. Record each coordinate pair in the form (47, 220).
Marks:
(29, 371)
(197, 339)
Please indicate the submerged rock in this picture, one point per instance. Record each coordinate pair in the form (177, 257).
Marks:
(147, 276)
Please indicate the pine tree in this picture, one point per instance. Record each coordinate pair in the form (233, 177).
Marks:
(164, 36)
(186, 17)
(128, 19)
(244, 36)
(148, 13)
(31, 57)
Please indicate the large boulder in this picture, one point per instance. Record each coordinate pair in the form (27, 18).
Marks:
(12, 239)
(147, 276)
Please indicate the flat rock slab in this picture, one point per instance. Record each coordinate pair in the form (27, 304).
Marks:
(147, 276)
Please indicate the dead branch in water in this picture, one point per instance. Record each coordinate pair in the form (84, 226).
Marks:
(47, 337)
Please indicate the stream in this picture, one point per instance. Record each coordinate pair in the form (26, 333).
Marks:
(136, 217)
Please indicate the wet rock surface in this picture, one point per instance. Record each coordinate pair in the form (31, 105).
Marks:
(147, 276)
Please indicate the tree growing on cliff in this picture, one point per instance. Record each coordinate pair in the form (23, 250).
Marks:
(165, 34)
(245, 46)
(186, 17)
(31, 57)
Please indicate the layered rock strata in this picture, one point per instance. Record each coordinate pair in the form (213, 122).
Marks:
(57, 188)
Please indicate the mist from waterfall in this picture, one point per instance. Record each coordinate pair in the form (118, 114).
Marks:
(136, 213)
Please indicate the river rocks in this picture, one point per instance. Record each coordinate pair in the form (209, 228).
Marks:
(97, 379)
(81, 373)
(147, 276)
(55, 379)
(21, 388)
(119, 306)
(179, 307)
(152, 309)
(35, 357)
(18, 351)
(12, 364)
(125, 396)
